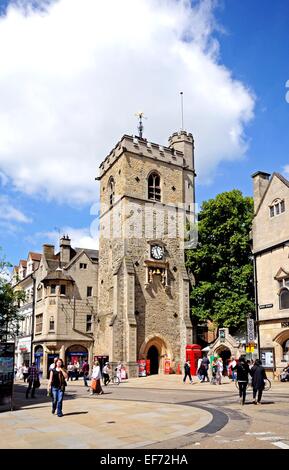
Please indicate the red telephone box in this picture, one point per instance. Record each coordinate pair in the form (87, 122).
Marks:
(193, 354)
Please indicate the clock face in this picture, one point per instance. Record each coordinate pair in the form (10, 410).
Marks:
(157, 252)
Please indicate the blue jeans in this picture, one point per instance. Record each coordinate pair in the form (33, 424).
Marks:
(57, 398)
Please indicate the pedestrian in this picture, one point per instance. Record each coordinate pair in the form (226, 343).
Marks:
(258, 377)
(284, 376)
(57, 383)
(187, 371)
(25, 372)
(220, 369)
(95, 380)
(199, 369)
(233, 369)
(205, 364)
(242, 370)
(105, 373)
(76, 370)
(33, 380)
(85, 371)
(53, 365)
(70, 371)
(118, 370)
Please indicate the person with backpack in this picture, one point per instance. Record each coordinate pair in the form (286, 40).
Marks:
(258, 381)
(187, 370)
(243, 371)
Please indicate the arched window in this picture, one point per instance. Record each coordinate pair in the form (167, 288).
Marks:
(277, 207)
(154, 187)
(111, 189)
(284, 299)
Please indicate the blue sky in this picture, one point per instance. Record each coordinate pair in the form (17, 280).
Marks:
(253, 46)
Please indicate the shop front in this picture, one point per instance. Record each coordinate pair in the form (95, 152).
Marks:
(76, 354)
(23, 352)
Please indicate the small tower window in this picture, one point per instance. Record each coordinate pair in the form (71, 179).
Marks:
(154, 187)
(62, 289)
(51, 324)
(111, 190)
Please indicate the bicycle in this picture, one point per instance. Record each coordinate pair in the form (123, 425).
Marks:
(267, 386)
(114, 380)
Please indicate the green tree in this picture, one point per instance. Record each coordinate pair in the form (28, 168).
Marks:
(9, 304)
(222, 261)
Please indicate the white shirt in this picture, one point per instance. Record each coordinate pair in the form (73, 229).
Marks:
(105, 370)
(95, 372)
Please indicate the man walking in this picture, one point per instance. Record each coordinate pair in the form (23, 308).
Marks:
(85, 371)
(258, 377)
(33, 380)
(187, 370)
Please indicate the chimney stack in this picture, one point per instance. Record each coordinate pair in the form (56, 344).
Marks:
(48, 251)
(260, 184)
(65, 249)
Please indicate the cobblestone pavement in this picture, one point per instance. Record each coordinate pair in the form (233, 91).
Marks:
(150, 412)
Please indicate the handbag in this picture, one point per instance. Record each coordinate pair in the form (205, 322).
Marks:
(93, 384)
(36, 383)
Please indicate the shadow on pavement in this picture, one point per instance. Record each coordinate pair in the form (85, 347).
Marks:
(20, 401)
(76, 413)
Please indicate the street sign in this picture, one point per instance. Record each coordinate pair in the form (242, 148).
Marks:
(250, 330)
(266, 306)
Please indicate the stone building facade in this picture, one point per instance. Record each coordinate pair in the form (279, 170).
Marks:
(146, 198)
(271, 259)
(65, 305)
(22, 279)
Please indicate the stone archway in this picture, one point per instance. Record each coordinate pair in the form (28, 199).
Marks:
(225, 353)
(278, 343)
(156, 349)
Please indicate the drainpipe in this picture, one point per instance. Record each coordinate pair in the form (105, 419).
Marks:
(33, 316)
(256, 303)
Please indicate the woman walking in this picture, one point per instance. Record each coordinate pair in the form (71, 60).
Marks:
(258, 377)
(95, 379)
(57, 382)
(243, 371)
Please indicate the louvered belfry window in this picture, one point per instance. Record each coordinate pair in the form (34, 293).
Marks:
(154, 187)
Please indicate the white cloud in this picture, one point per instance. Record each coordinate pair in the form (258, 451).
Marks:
(71, 80)
(80, 238)
(9, 213)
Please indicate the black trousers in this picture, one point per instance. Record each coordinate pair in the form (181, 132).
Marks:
(187, 374)
(260, 391)
(31, 384)
(242, 390)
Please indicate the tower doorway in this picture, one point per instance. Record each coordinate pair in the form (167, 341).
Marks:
(153, 356)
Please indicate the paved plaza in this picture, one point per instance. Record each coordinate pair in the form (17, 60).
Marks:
(146, 413)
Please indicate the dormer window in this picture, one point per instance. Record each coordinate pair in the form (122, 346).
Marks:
(277, 207)
(154, 187)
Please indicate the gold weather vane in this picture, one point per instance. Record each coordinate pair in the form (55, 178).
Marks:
(140, 115)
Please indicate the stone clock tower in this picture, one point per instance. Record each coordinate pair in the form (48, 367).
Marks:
(146, 198)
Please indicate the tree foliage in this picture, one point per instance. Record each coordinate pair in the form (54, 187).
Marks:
(222, 262)
(9, 304)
